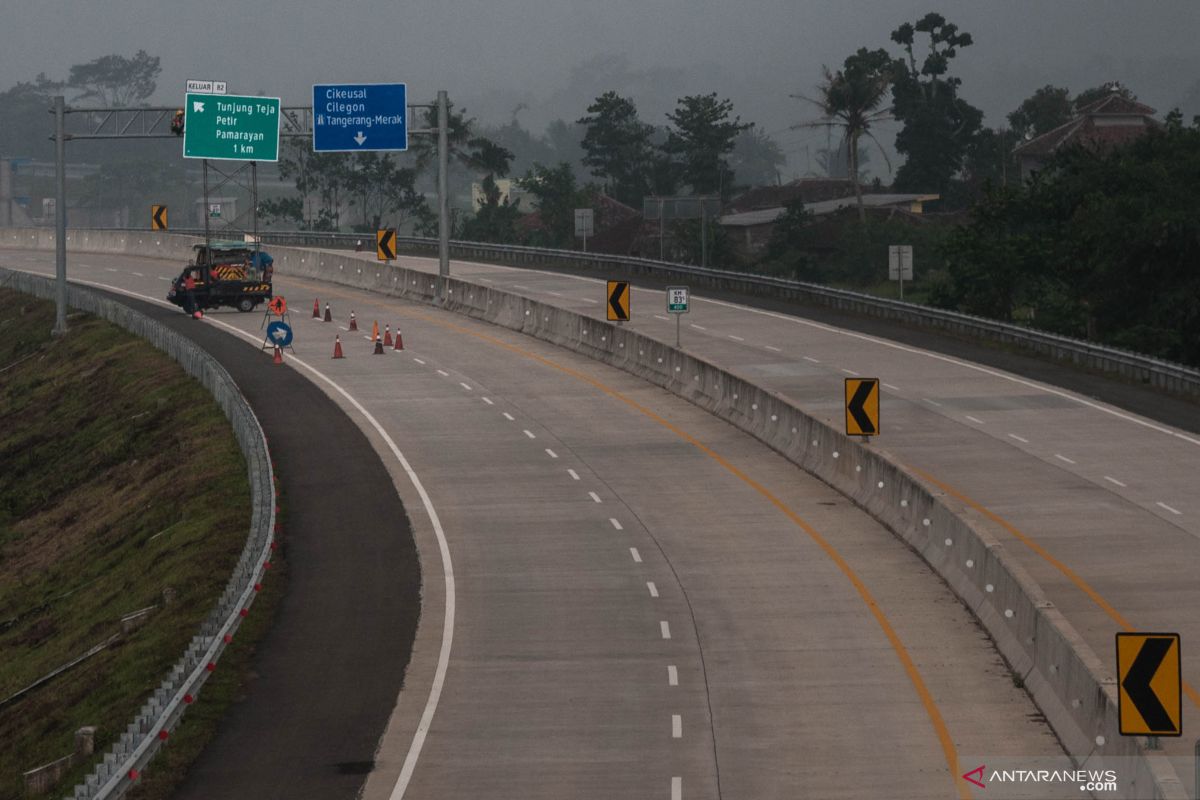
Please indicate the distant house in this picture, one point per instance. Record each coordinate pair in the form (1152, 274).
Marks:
(1109, 122)
(750, 231)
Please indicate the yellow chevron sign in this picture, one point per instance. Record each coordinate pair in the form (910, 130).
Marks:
(158, 218)
(862, 406)
(618, 301)
(1149, 685)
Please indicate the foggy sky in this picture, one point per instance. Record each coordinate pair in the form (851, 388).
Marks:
(555, 56)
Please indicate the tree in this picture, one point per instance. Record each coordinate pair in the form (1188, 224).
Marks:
(116, 81)
(495, 219)
(618, 147)
(835, 161)
(850, 100)
(756, 158)
(27, 127)
(938, 125)
(989, 161)
(558, 196)
(1041, 112)
(701, 136)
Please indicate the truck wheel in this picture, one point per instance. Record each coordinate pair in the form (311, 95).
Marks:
(245, 304)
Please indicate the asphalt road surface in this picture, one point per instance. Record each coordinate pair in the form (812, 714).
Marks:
(633, 615)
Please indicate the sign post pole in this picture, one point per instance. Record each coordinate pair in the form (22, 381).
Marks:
(443, 114)
(60, 217)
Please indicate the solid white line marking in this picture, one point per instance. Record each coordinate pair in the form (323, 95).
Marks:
(1176, 512)
(893, 388)
(672, 676)
(508, 416)
(660, 316)
(1114, 480)
(488, 401)
(1018, 438)
(776, 349)
(615, 523)
(637, 557)
(574, 475)
(697, 327)
(1061, 457)
(529, 433)
(736, 338)
(677, 788)
(933, 402)
(664, 628)
(676, 726)
(849, 371)
(653, 589)
(443, 373)
(975, 419)
(551, 453)
(594, 496)
(465, 386)
(439, 675)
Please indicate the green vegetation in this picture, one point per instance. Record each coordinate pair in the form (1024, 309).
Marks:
(122, 479)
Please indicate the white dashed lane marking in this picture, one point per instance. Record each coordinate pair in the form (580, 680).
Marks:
(849, 371)
(615, 523)
(487, 400)
(508, 416)
(594, 496)
(653, 589)
(443, 373)
(893, 388)
(933, 402)
(676, 726)
(109, 269)
(813, 360)
(676, 788)
(419, 361)
(637, 557)
(976, 420)
(774, 349)
(1021, 439)
(1111, 479)
(736, 338)
(697, 327)
(1174, 511)
(672, 676)
(664, 628)
(660, 316)
(1061, 457)
(551, 453)
(529, 433)
(140, 275)
(574, 475)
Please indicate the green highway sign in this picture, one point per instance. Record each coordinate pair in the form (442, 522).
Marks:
(231, 127)
(677, 299)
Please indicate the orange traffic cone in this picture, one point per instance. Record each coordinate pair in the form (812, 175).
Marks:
(353, 322)
(375, 331)
(278, 356)
(328, 316)
(387, 335)
(337, 347)
(378, 347)
(399, 339)
(316, 310)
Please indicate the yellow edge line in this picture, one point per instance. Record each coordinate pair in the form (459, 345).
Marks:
(1069, 573)
(914, 675)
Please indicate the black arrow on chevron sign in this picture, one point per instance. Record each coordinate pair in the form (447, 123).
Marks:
(1137, 684)
(857, 410)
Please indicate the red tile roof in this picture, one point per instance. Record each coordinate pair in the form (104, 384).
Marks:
(1088, 127)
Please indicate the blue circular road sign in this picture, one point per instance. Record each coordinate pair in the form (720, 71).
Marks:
(279, 333)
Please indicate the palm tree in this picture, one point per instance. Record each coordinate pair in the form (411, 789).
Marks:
(850, 99)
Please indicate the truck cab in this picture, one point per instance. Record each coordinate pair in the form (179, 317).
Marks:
(221, 274)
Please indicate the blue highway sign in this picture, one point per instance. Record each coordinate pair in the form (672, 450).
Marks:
(279, 333)
(357, 117)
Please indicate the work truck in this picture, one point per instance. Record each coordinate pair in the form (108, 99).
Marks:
(234, 274)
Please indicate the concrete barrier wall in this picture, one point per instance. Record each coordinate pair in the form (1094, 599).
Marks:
(140, 741)
(1066, 679)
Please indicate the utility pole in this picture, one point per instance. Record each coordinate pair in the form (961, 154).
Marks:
(443, 114)
(60, 216)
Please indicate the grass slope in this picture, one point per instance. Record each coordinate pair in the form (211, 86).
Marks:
(119, 477)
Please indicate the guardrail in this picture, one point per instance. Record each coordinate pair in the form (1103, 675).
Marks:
(1166, 375)
(142, 738)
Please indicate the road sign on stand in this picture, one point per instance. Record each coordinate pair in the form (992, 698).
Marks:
(1149, 684)
(385, 244)
(862, 406)
(360, 117)
(231, 127)
(900, 264)
(618, 301)
(279, 334)
(158, 218)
